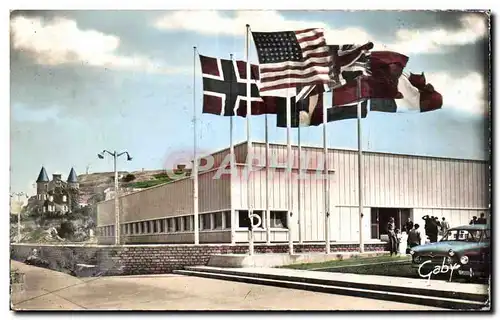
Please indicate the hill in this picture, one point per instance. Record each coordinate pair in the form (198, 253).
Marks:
(95, 183)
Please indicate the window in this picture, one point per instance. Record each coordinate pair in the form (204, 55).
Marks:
(207, 223)
(244, 221)
(185, 223)
(162, 226)
(145, 227)
(171, 225)
(218, 220)
(191, 223)
(227, 219)
(178, 224)
(486, 236)
(462, 235)
(278, 219)
(155, 227)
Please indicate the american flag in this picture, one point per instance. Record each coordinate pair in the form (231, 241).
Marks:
(291, 58)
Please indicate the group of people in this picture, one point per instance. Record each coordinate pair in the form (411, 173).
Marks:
(433, 227)
(413, 232)
(481, 220)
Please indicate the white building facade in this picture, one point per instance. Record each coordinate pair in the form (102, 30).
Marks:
(399, 186)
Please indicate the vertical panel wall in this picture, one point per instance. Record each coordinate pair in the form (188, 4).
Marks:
(214, 191)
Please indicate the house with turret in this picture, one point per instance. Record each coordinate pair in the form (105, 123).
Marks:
(56, 195)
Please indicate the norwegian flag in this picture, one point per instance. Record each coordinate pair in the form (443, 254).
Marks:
(225, 89)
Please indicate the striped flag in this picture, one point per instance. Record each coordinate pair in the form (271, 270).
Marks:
(416, 96)
(291, 58)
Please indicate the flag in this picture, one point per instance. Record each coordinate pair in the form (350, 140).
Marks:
(384, 70)
(302, 105)
(225, 89)
(416, 96)
(347, 59)
(308, 110)
(291, 58)
(336, 113)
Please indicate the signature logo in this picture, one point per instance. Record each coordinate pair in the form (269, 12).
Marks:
(443, 268)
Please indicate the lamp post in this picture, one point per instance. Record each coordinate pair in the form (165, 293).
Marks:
(115, 155)
(19, 194)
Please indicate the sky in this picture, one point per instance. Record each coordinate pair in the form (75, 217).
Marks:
(84, 81)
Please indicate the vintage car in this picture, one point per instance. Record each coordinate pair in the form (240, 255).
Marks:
(465, 250)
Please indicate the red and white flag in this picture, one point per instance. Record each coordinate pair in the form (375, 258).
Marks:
(291, 58)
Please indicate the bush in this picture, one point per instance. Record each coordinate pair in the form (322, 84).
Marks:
(129, 177)
(66, 230)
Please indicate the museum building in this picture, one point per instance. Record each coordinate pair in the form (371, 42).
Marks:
(395, 185)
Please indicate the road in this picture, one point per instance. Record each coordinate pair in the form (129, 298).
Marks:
(50, 290)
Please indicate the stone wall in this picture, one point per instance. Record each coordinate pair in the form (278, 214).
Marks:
(151, 259)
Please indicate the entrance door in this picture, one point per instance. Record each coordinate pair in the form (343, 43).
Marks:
(375, 223)
(380, 218)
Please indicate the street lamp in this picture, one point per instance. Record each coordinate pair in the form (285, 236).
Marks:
(19, 194)
(115, 155)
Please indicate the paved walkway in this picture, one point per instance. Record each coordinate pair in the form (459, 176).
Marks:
(50, 290)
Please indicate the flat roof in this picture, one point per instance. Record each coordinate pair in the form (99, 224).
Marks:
(350, 150)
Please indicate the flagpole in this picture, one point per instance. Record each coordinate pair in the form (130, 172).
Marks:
(289, 170)
(299, 182)
(233, 173)
(268, 211)
(195, 159)
(360, 169)
(326, 181)
(249, 143)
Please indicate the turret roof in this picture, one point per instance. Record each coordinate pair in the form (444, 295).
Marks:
(42, 176)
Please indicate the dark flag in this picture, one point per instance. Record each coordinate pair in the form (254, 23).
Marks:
(225, 89)
(308, 111)
(379, 79)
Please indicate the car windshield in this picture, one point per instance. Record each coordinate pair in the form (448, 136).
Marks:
(462, 235)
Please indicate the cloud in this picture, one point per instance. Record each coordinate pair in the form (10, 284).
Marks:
(60, 41)
(197, 21)
(466, 93)
(472, 28)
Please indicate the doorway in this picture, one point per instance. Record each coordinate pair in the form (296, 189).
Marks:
(380, 218)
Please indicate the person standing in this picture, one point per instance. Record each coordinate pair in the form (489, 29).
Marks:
(444, 226)
(432, 229)
(408, 225)
(414, 237)
(392, 236)
(481, 220)
(474, 220)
